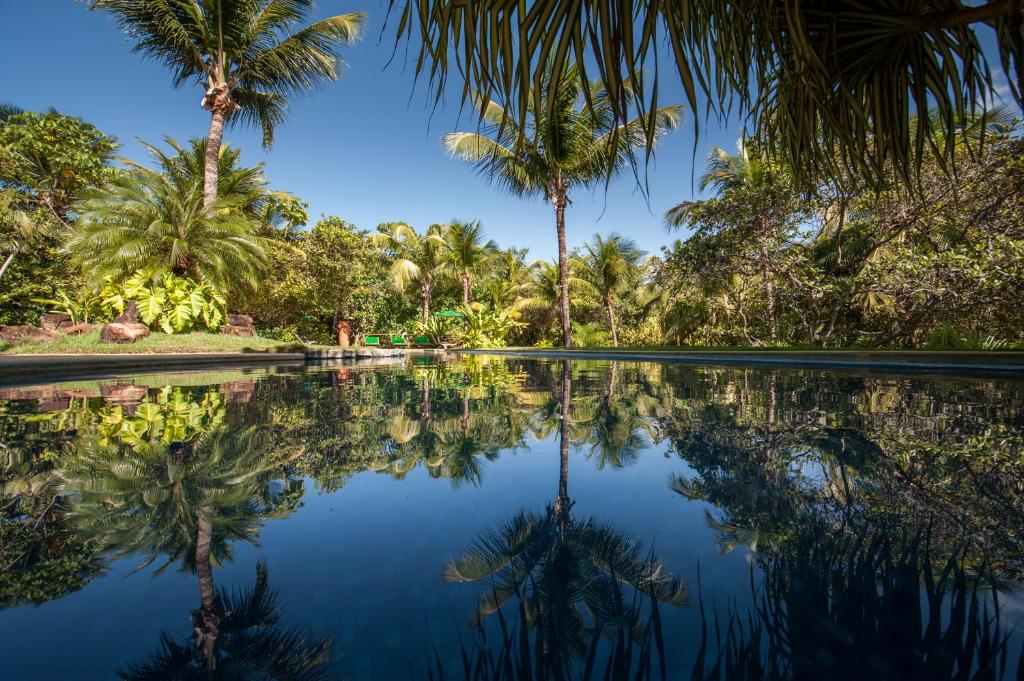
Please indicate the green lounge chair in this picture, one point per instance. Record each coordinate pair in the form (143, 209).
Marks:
(423, 342)
(399, 342)
(369, 341)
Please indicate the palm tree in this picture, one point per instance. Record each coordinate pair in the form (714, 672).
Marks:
(245, 53)
(416, 257)
(750, 178)
(146, 219)
(569, 142)
(831, 84)
(612, 267)
(465, 252)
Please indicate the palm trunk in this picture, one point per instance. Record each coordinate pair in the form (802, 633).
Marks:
(611, 321)
(211, 168)
(428, 292)
(559, 199)
(465, 288)
(9, 259)
(426, 411)
(207, 619)
(562, 503)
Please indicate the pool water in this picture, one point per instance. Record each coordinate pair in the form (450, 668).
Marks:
(490, 517)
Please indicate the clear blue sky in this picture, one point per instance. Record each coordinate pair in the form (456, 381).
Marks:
(365, 148)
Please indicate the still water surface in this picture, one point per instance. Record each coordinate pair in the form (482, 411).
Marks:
(512, 518)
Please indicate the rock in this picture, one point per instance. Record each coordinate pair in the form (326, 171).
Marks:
(123, 332)
(123, 394)
(26, 334)
(78, 329)
(233, 330)
(55, 321)
(239, 320)
(130, 314)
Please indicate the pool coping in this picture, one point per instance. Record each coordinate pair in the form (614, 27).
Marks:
(888, 360)
(16, 368)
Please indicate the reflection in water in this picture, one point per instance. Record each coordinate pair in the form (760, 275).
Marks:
(249, 643)
(881, 516)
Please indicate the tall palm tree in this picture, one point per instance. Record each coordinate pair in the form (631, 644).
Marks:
(158, 220)
(569, 142)
(612, 267)
(750, 178)
(416, 257)
(466, 253)
(246, 54)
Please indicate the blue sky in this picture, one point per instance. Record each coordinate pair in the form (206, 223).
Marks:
(365, 148)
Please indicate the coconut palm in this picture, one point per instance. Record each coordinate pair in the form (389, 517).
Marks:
(567, 145)
(465, 252)
(416, 258)
(612, 267)
(157, 220)
(831, 84)
(247, 55)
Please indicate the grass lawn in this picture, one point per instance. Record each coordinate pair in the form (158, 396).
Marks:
(89, 343)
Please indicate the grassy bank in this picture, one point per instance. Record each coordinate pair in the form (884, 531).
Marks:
(184, 343)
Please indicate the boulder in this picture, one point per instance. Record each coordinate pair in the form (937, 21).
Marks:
(55, 321)
(233, 330)
(123, 332)
(239, 319)
(130, 314)
(26, 334)
(78, 329)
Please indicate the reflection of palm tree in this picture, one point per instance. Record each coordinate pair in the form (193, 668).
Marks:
(568, 572)
(186, 501)
(251, 644)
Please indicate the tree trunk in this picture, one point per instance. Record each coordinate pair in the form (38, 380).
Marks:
(9, 259)
(562, 502)
(611, 321)
(465, 288)
(428, 292)
(769, 294)
(426, 411)
(211, 169)
(206, 620)
(559, 199)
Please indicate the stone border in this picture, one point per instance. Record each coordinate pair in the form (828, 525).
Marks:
(941, 362)
(18, 368)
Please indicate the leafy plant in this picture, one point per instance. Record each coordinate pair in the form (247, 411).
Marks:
(439, 329)
(176, 304)
(86, 305)
(487, 326)
(590, 335)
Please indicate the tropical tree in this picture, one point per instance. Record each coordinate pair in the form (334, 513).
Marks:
(154, 220)
(770, 203)
(832, 84)
(612, 266)
(570, 141)
(47, 161)
(246, 54)
(466, 253)
(416, 258)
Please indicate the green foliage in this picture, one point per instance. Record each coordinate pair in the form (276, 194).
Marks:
(590, 335)
(176, 304)
(487, 326)
(82, 306)
(440, 329)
